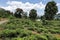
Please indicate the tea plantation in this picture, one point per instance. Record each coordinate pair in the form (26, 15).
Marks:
(26, 29)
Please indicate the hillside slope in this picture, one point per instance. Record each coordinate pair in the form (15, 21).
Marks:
(25, 29)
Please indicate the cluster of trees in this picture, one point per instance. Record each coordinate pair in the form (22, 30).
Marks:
(20, 13)
(50, 11)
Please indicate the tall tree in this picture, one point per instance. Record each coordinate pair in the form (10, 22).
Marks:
(33, 14)
(50, 10)
(18, 12)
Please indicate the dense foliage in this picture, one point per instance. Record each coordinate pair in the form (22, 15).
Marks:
(19, 27)
(50, 10)
(5, 13)
(26, 29)
(33, 14)
(18, 13)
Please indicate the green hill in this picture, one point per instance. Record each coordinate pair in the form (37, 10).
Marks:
(26, 29)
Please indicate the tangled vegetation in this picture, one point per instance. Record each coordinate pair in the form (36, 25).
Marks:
(21, 27)
(25, 29)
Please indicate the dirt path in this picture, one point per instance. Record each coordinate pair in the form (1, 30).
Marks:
(4, 21)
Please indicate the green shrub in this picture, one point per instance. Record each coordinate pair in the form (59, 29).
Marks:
(8, 33)
(23, 33)
(50, 37)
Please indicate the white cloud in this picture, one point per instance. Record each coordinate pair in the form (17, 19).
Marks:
(12, 5)
(58, 4)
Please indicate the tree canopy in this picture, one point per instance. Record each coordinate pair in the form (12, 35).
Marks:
(50, 10)
(33, 14)
(18, 12)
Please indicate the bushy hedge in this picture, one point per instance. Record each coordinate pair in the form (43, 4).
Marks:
(37, 37)
(23, 29)
(33, 26)
(14, 33)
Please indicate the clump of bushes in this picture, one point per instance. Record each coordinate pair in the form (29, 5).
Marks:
(8, 33)
(42, 36)
(14, 33)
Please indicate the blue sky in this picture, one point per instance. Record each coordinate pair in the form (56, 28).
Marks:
(3, 2)
(27, 5)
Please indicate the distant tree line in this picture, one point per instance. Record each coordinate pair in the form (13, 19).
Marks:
(50, 11)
